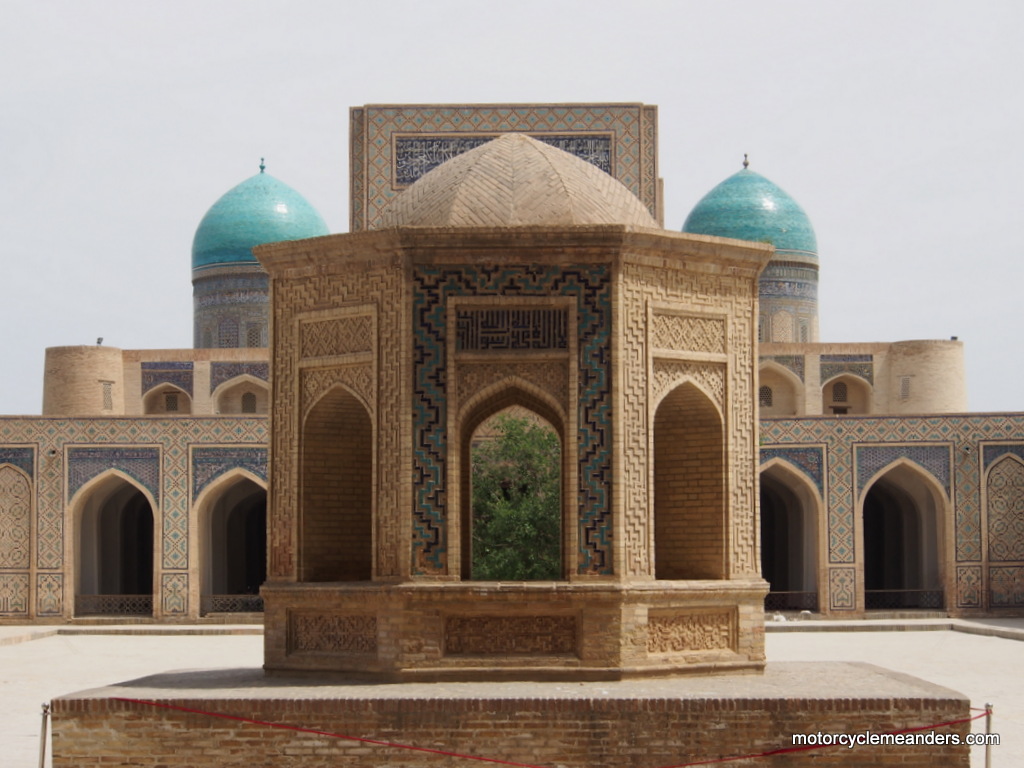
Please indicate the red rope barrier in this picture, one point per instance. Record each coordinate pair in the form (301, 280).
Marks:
(314, 732)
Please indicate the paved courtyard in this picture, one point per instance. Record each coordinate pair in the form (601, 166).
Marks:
(32, 671)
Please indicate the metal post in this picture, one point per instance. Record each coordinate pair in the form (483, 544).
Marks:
(42, 736)
(988, 732)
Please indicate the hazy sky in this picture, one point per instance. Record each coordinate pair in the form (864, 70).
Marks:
(898, 126)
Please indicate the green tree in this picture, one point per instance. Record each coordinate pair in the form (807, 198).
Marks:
(517, 503)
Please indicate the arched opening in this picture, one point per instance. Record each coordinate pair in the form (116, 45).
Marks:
(115, 550)
(235, 551)
(15, 518)
(243, 396)
(512, 495)
(516, 504)
(845, 395)
(789, 540)
(167, 399)
(1004, 504)
(902, 515)
(336, 525)
(689, 487)
(778, 394)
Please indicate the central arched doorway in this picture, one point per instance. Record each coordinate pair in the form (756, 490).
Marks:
(115, 550)
(902, 514)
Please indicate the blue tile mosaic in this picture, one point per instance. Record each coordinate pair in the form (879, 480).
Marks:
(992, 453)
(935, 459)
(210, 463)
(141, 464)
(22, 458)
(177, 373)
(810, 461)
(221, 372)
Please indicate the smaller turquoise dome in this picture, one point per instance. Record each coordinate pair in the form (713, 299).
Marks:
(747, 206)
(259, 210)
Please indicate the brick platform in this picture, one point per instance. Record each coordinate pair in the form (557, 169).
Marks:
(628, 724)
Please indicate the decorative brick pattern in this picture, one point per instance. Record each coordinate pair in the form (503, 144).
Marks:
(690, 334)
(337, 336)
(842, 589)
(510, 635)
(49, 594)
(15, 518)
(14, 594)
(174, 594)
(857, 365)
(333, 633)
(969, 586)
(1004, 494)
(712, 631)
(1006, 588)
(549, 377)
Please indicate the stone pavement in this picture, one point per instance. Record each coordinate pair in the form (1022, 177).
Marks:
(981, 659)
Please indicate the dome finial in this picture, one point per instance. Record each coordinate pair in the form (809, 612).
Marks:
(264, 165)
(746, 162)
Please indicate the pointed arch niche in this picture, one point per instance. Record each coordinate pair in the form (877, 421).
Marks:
(114, 547)
(780, 392)
(845, 395)
(167, 399)
(516, 400)
(242, 396)
(790, 508)
(336, 522)
(903, 512)
(689, 487)
(233, 556)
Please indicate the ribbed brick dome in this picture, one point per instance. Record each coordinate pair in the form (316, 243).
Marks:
(516, 181)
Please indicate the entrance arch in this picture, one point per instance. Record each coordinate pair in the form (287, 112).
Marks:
(689, 487)
(234, 555)
(516, 401)
(790, 507)
(902, 514)
(114, 545)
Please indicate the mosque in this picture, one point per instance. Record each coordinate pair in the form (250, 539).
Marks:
(140, 493)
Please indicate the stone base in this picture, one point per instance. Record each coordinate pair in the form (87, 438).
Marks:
(430, 631)
(626, 724)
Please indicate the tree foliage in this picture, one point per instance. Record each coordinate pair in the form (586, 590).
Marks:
(516, 503)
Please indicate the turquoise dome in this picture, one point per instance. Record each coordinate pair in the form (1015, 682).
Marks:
(259, 210)
(747, 206)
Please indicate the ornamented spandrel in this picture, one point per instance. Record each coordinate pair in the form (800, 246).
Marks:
(15, 518)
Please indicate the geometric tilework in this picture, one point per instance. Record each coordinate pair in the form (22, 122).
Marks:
(174, 589)
(842, 589)
(991, 453)
(417, 155)
(210, 463)
(381, 137)
(49, 594)
(13, 594)
(176, 373)
(221, 372)
(590, 286)
(969, 583)
(795, 363)
(858, 365)
(167, 438)
(142, 464)
(1004, 495)
(872, 458)
(1006, 586)
(15, 519)
(809, 460)
(22, 458)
